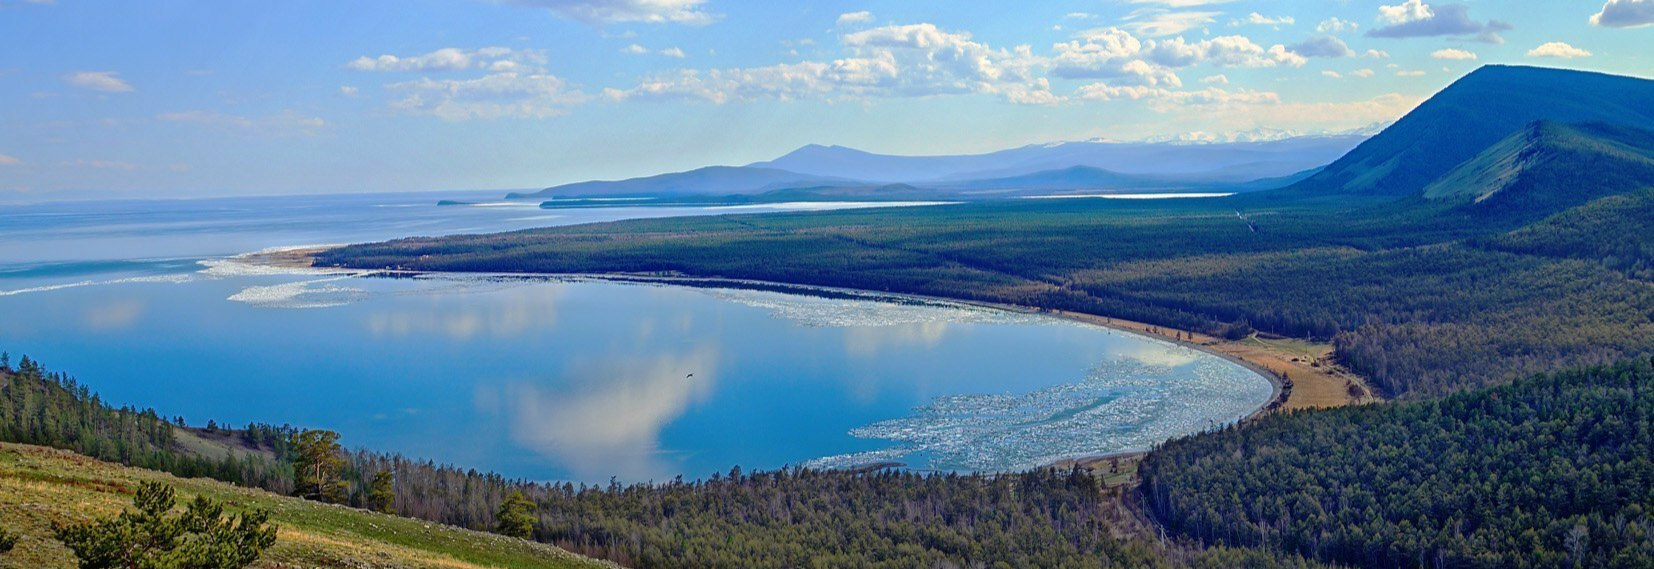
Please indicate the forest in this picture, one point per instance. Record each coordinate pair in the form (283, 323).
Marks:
(1550, 471)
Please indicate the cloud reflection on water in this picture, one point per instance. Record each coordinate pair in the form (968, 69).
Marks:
(606, 418)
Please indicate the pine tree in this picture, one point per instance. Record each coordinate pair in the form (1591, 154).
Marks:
(382, 492)
(516, 516)
(152, 537)
(7, 541)
(316, 466)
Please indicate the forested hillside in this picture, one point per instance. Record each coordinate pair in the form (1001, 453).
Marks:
(1551, 471)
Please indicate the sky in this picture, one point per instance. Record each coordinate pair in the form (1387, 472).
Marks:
(176, 98)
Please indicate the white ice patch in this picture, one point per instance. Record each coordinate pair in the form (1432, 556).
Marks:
(150, 279)
(303, 294)
(871, 311)
(244, 265)
(1122, 405)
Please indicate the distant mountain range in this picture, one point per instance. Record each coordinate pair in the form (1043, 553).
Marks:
(1257, 159)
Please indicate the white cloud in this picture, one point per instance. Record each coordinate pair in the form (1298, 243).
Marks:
(1376, 54)
(634, 49)
(493, 96)
(1262, 20)
(9, 161)
(287, 122)
(1336, 26)
(1559, 50)
(452, 59)
(104, 81)
(1155, 22)
(1414, 18)
(852, 18)
(1322, 46)
(673, 52)
(349, 91)
(1408, 11)
(615, 11)
(1362, 73)
(917, 60)
(1332, 74)
(1452, 54)
(1219, 79)
(1625, 14)
(1078, 16)
(1167, 100)
(1409, 74)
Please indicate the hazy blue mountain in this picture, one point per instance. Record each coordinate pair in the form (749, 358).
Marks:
(712, 180)
(1218, 162)
(1476, 112)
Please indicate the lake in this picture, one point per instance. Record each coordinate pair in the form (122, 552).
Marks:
(151, 304)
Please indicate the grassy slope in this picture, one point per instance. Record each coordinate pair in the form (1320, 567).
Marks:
(39, 485)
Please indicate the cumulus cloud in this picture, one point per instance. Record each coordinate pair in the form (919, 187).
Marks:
(1167, 100)
(452, 59)
(1452, 54)
(853, 18)
(1625, 14)
(1114, 53)
(690, 12)
(1332, 74)
(9, 161)
(1157, 22)
(1414, 18)
(1409, 74)
(672, 52)
(914, 60)
(104, 81)
(1559, 50)
(1219, 79)
(1262, 20)
(287, 122)
(493, 96)
(1322, 46)
(1376, 54)
(1362, 73)
(1336, 26)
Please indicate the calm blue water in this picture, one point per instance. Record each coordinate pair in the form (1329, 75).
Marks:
(566, 379)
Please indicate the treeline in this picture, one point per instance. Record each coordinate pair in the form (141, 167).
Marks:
(1423, 298)
(887, 519)
(1551, 471)
(47, 408)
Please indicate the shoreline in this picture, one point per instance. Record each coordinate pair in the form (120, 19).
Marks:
(1252, 353)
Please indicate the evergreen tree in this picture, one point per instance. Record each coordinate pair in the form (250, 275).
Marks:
(316, 466)
(7, 540)
(516, 516)
(152, 537)
(382, 492)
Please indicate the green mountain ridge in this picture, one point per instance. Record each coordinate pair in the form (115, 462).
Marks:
(1551, 166)
(1474, 113)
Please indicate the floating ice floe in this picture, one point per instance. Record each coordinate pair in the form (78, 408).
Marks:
(303, 294)
(1121, 405)
(183, 278)
(871, 310)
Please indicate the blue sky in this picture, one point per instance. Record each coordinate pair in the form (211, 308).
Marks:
(141, 98)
